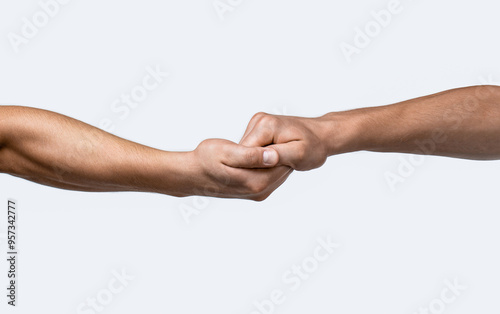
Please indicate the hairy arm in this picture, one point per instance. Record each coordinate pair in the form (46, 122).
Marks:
(462, 123)
(56, 150)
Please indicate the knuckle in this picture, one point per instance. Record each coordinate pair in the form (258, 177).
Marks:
(269, 121)
(259, 198)
(206, 144)
(259, 115)
(256, 187)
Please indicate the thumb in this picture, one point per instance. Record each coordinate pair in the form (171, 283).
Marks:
(291, 154)
(239, 156)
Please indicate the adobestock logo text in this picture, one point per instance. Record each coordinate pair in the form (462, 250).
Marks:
(296, 275)
(30, 28)
(127, 102)
(363, 36)
(104, 297)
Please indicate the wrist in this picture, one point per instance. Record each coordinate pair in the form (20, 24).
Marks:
(177, 174)
(188, 173)
(340, 131)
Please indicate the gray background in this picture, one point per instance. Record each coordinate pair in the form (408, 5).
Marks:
(397, 247)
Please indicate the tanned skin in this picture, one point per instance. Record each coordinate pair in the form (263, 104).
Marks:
(56, 150)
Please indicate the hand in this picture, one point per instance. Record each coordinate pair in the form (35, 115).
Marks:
(219, 170)
(298, 141)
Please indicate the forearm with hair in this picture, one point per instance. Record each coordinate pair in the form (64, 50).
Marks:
(59, 151)
(462, 123)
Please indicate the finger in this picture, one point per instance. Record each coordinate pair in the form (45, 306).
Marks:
(252, 124)
(265, 175)
(239, 156)
(266, 179)
(279, 181)
(290, 154)
(274, 178)
(259, 136)
(249, 129)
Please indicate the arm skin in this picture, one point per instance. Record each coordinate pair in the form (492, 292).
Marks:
(461, 123)
(59, 151)
(55, 150)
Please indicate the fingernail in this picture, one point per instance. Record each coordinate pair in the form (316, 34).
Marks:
(270, 157)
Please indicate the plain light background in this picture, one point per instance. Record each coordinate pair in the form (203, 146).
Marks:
(397, 247)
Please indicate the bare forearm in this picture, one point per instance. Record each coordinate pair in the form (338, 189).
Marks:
(463, 123)
(59, 151)
(56, 150)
